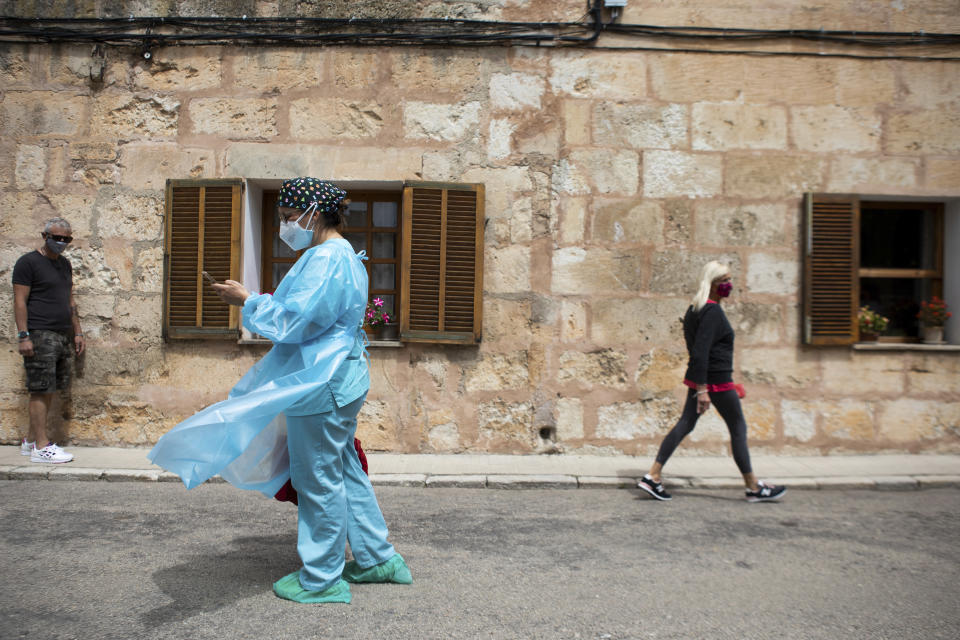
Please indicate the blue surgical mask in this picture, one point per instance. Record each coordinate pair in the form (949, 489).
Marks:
(295, 236)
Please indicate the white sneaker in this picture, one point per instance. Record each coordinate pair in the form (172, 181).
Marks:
(27, 447)
(50, 453)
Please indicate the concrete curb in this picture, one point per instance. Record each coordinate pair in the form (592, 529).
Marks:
(63, 472)
(605, 482)
(937, 482)
(531, 482)
(398, 479)
(457, 482)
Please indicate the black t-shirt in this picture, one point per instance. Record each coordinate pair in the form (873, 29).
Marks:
(50, 282)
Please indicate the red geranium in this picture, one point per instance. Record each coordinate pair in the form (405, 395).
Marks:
(933, 313)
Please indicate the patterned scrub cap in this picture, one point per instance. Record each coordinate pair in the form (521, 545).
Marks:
(300, 193)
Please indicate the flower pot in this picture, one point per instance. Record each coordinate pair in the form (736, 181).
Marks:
(933, 335)
(389, 331)
(868, 337)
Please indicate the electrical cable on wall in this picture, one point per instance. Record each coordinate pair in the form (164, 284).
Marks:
(148, 33)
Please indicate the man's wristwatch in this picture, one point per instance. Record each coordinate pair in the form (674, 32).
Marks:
(23, 335)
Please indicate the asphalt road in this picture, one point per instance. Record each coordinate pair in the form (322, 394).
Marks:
(143, 561)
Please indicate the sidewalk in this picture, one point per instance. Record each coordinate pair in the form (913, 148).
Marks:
(895, 472)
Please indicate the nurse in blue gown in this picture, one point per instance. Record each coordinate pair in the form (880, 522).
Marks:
(317, 376)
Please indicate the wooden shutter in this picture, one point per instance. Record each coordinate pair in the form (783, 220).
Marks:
(441, 288)
(831, 265)
(202, 233)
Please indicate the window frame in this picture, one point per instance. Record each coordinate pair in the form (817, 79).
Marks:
(370, 196)
(832, 270)
(935, 275)
(269, 226)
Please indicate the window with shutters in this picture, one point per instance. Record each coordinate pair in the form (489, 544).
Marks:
(424, 243)
(884, 254)
(202, 233)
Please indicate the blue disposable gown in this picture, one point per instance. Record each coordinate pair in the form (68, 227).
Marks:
(317, 362)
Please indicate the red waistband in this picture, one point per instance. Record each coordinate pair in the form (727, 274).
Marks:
(714, 388)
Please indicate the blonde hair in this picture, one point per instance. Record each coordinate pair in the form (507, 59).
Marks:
(711, 272)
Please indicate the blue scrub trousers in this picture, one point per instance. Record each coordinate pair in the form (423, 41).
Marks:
(336, 500)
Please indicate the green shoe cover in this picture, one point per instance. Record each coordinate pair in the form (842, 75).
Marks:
(393, 570)
(288, 587)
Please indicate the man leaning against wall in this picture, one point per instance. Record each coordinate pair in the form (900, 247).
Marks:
(48, 331)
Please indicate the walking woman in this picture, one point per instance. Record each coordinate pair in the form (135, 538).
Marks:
(317, 376)
(709, 376)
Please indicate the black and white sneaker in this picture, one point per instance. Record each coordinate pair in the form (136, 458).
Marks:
(653, 487)
(765, 493)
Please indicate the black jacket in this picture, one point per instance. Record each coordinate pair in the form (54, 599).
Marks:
(709, 339)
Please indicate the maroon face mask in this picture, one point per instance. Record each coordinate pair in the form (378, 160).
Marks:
(724, 289)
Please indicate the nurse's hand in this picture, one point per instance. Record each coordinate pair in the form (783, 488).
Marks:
(231, 292)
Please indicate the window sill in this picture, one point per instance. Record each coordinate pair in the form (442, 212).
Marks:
(384, 343)
(905, 346)
(371, 343)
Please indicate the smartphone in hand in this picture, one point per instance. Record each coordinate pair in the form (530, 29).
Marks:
(209, 278)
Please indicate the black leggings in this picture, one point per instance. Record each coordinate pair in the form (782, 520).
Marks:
(728, 404)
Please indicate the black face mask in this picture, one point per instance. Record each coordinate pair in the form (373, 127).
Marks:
(56, 247)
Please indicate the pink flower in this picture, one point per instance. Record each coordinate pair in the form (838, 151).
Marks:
(378, 302)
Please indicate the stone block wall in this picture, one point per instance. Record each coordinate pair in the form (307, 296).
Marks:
(611, 177)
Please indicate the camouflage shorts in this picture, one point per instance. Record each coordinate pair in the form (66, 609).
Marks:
(48, 369)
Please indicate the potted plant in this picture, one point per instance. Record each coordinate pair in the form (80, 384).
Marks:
(933, 314)
(381, 320)
(872, 324)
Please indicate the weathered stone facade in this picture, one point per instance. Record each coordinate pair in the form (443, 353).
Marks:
(610, 177)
